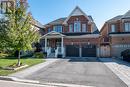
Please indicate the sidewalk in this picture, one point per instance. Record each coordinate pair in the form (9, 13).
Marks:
(119, 67)
(33, 69)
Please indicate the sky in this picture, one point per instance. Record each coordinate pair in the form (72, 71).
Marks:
(46, 11)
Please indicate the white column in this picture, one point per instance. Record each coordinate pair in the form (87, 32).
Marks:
(62, 45)
(80, 52)
(45, 44)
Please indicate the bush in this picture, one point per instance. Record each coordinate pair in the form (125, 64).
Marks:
(126, 55)
(39, 55)
(2, 55)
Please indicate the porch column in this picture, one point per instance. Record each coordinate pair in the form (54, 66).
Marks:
(62, 46)
(45, 44)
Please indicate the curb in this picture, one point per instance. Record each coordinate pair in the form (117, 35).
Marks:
(7, 78)
(35, 68)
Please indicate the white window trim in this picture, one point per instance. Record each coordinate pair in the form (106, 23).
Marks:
(113, 28)
(70, 27)
(76, 29)
(127, 27)
(84, 27)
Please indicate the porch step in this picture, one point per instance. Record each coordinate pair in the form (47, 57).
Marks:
(51, 55)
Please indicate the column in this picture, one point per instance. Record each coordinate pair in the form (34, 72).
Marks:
(62, 46)
(80, 51)
(45, 44)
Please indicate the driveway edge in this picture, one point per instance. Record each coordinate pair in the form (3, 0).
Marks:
(109, 62)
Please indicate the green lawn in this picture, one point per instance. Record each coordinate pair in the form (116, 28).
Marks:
(9, 61)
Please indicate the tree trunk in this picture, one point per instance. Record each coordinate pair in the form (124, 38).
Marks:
(18, 58)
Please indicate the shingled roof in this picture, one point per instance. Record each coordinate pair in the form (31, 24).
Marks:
(119, 17)
(61, 20)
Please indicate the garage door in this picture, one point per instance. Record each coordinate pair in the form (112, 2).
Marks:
(88, 51)
(72, 51)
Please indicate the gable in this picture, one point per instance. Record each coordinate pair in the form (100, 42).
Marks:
(77, 12)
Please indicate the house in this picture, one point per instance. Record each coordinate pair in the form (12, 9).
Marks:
(74, 36)
(115, 36)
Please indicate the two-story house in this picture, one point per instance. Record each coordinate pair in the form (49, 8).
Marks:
(74, 36)
(115, 36)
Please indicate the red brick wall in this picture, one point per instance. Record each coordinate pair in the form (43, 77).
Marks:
(120, 40)
(79, 41)
(83, 20)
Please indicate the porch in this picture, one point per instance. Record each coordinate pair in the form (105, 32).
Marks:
(54, 44)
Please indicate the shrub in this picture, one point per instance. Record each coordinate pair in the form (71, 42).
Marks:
(38, 55)
(2, 55)
(126, 54)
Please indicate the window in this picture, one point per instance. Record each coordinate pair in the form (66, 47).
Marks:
(127, 27)
(57, 28)
(113, 28)
(49, 30)
(77, 27)
(83, 27)
(70, 28)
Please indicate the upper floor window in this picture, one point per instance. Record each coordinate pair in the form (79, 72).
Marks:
(70, 28)
(49, 29)
(57, 28)
(127, 27)
(77, 26)
(113, 28)
(84, 27)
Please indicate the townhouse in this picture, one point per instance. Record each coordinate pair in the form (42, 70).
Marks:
(115, 36)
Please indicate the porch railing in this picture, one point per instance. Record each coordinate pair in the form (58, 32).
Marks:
(58, 51)
(48, 51)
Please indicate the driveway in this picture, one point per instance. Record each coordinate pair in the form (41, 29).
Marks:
(89, 72)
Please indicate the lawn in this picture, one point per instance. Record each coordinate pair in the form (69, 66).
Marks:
(9, 61)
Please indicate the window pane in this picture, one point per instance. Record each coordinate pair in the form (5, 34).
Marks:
(70, 28)
(113, 28)
(49, 29)
(77, 27)
(83, 27)
(127, 27)
(57, 28)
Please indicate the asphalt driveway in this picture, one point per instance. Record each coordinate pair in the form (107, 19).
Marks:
(89, 72)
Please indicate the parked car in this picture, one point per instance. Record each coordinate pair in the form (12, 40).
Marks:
(126, 55)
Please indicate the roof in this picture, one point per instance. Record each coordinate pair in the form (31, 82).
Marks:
(115, 18)
(37, 23)
(119, 17)
(126, 15)
(119, 33)
(61, 20)
(75, 34)
(57, 21)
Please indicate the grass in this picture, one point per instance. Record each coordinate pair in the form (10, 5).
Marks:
(9, 61)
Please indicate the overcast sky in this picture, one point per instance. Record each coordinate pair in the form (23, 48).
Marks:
(101, 10)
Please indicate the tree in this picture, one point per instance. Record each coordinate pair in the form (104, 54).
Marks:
(20, 35)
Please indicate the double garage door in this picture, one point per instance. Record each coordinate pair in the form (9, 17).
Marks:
(84, 51)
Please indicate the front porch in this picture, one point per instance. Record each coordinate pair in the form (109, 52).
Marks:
(54, 44)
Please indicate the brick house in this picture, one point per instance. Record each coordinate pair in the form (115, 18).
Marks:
(115, 36)
(74, 36)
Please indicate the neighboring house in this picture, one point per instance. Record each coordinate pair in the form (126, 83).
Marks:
(74, 36)
(115, 36)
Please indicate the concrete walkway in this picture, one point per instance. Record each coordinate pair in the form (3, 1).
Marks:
(33, 69)
(119, 67)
